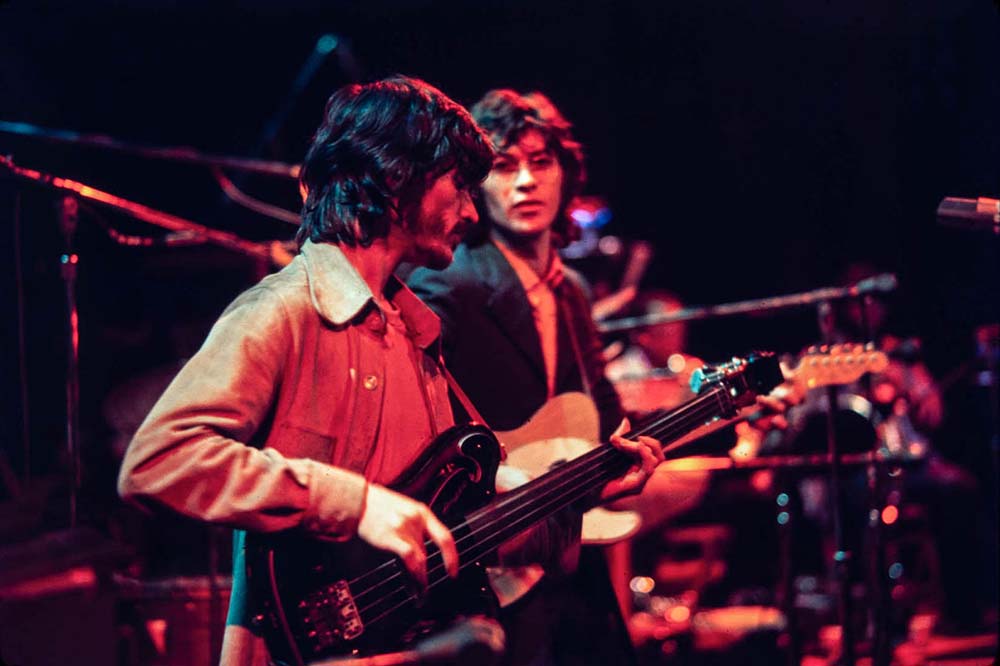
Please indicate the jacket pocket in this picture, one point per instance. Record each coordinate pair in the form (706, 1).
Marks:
(298, 442)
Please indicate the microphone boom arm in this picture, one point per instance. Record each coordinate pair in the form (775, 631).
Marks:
(141, 212)
(879, 283)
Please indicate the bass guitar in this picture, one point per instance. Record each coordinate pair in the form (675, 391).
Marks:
(321, 599)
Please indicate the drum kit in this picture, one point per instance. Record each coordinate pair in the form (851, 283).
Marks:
(179, 620)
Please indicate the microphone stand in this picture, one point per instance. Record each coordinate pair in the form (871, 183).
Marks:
(841, 556)
(191, 231)
(69, 209)
(876, 472)
(879, 283)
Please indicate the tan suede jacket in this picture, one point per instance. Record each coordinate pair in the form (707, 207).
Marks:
(270, 425)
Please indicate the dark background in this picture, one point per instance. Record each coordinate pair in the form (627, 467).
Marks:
(760, 146)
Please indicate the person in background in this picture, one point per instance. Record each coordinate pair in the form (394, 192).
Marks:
(517, 331)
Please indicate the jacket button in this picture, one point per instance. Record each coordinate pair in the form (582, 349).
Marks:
(375, 322)
(370, 382)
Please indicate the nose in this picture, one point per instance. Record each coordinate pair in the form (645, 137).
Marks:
(468, 209)
(525, 177)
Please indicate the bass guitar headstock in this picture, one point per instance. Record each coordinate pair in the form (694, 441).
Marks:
(744, 379)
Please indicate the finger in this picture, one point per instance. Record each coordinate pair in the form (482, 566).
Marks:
(622, 428)
(444, 540)
(414, 559)
(628, 445)
(654, 447)
(645, 460)
(771, 403)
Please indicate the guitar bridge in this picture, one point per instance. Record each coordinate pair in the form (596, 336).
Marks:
(331, 616)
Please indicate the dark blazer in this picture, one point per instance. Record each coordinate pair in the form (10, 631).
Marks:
(492, 348)
(491, 345)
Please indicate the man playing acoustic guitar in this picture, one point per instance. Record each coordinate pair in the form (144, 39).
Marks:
(517, 331)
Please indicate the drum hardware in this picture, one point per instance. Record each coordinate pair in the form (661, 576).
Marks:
(822, 299)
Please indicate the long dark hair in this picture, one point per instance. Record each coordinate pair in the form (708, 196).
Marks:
(379, 147)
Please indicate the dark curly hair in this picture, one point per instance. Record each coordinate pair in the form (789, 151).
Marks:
(380, 146)
(505, 115)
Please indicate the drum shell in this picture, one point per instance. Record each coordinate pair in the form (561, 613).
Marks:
(176, 621)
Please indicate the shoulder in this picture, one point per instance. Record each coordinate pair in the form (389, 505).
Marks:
(464, 274)
(278, 301)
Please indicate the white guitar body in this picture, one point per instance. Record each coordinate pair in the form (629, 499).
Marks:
(564, 428)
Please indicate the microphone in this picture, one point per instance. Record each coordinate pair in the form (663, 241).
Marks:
(884, 282)
(979, 214)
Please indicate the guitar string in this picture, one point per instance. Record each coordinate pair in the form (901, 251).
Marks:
(409, 598)
(656, 430)
(568, 473)
(496, 538)
(673, 421)
(547, 496)
(651, 424)
(677, 417)
(493, 540)
(513, 527)
(613, 461)
(517, 495)
(521, 495)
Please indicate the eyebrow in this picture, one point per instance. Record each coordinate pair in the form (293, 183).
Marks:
(535, 153)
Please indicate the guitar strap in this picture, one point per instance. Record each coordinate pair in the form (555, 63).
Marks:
(575, 343)
(470, 409)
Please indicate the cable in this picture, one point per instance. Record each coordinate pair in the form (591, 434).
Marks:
(238, 196)
(127, 240)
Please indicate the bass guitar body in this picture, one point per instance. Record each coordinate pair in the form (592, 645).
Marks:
(324, 599)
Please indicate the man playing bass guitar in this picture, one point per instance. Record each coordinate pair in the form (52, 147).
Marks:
(318, 386)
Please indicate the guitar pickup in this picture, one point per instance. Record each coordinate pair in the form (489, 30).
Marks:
(331, 615)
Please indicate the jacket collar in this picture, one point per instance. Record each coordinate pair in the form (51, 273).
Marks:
(509, 307)
(508, 303)
(340, 294)
(493, 268)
